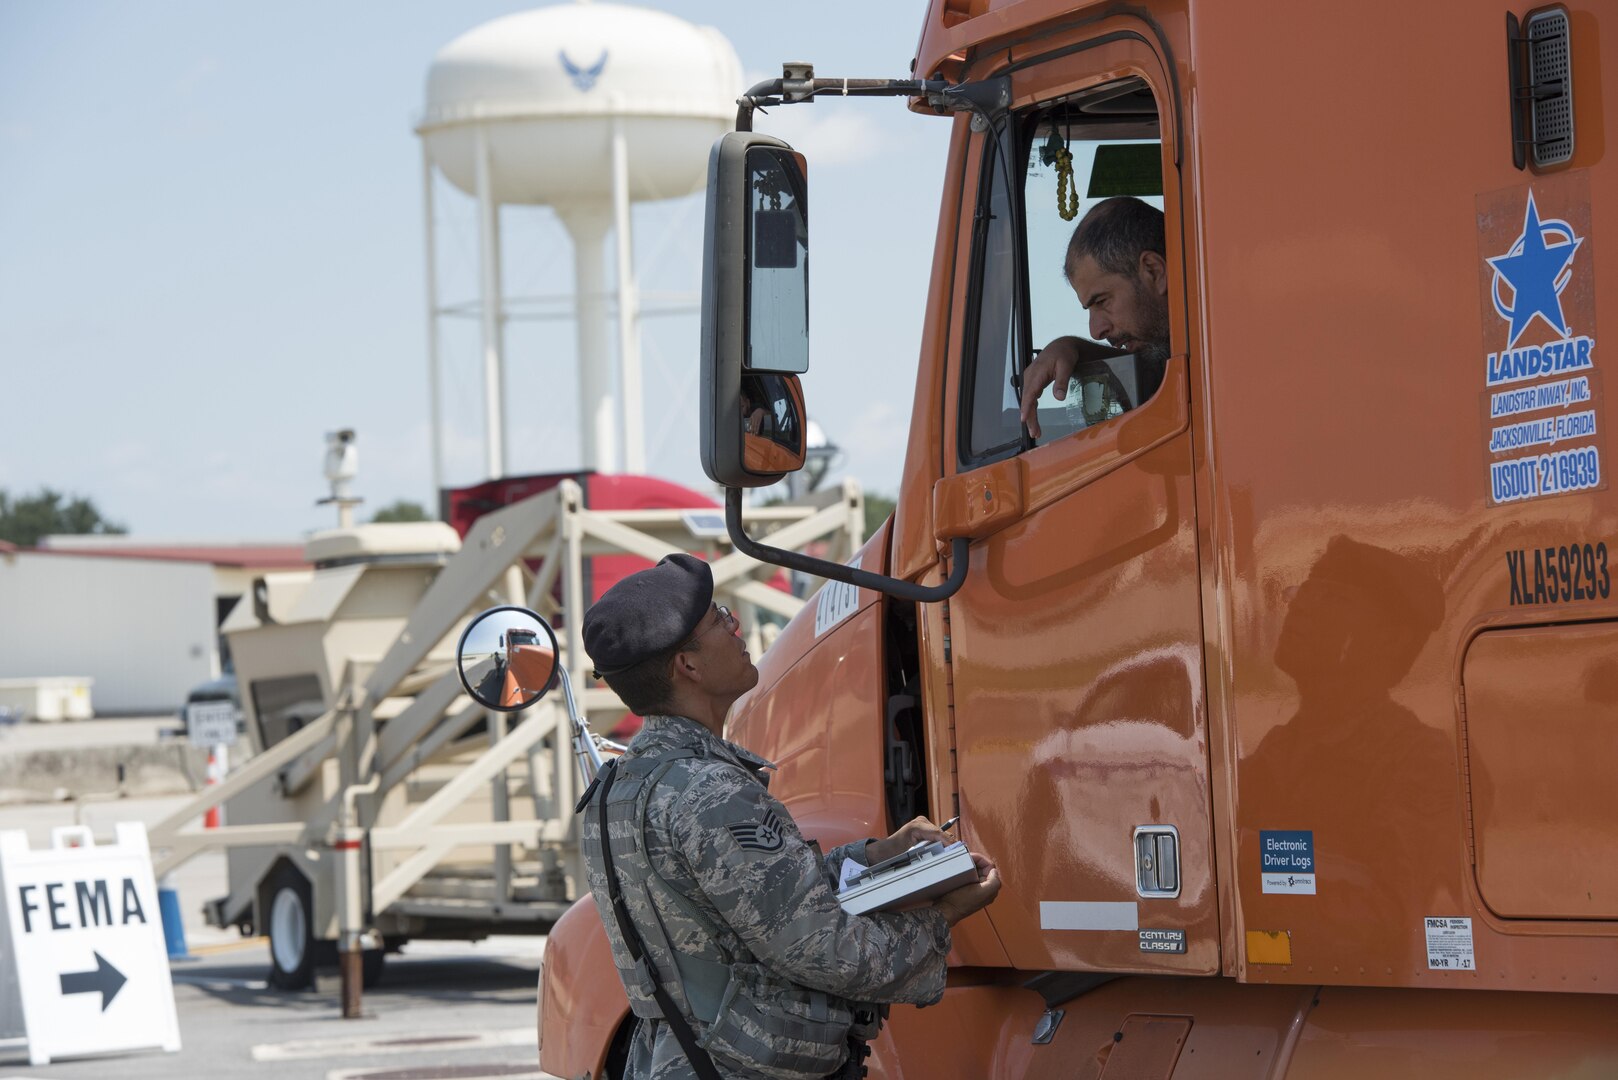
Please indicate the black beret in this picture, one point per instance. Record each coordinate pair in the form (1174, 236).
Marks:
(647, 612)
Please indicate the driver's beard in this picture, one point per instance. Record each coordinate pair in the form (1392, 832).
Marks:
(1155, 353)
(1156, 330)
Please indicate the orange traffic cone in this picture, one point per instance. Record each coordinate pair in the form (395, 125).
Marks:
(214, 817)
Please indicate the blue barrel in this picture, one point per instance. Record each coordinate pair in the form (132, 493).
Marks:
(168, 905)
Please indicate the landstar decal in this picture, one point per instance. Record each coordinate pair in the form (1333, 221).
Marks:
(1543, 415)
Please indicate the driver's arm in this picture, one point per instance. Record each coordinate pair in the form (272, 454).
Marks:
(1055, 364)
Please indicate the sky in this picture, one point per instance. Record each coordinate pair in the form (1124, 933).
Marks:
(212, 253)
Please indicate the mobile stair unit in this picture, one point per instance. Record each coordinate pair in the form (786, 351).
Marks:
(380, 801)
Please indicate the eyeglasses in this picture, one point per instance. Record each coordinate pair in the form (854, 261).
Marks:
(726, 619)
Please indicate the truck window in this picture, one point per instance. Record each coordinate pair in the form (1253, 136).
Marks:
(1064, 157)
(991, 426)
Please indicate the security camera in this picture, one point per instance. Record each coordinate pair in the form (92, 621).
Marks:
(342, 460)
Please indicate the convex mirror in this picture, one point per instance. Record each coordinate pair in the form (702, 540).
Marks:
(755, 310)
(772, 424)
(507, 658)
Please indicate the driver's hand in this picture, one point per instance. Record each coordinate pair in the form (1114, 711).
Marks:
(957, 904)
(912, 833)
(1054, 364)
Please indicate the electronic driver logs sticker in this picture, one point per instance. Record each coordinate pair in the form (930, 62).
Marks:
(1542, 407)
(1449, 944)
(1288, 860)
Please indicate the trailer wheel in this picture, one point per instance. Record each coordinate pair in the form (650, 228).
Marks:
(289, 921)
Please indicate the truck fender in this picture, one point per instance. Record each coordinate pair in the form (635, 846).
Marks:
(582, 1005)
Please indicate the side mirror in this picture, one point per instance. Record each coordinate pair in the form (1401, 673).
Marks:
(755, 343)
(755, 310)
(772, 425)
(507, 658)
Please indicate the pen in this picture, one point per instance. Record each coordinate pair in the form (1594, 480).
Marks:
(950, 824)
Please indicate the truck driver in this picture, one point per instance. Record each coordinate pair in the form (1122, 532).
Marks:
(1117, 267)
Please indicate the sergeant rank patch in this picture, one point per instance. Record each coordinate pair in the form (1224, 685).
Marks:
(765, 835)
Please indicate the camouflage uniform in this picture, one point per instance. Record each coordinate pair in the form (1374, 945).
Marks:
(713, 865)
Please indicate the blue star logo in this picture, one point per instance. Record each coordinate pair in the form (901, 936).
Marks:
(1537, 273)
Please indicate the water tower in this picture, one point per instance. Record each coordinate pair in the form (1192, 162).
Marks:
(585, 108)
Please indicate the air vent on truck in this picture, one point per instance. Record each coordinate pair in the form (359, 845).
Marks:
(1541, 68)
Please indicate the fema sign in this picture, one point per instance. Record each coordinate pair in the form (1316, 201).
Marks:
(83, 965)
(1542, 390)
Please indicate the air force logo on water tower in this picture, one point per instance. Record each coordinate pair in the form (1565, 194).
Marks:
(1542, 400)
(583, 77)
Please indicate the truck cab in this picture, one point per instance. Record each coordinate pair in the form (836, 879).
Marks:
(528, 663)
(1278, 681)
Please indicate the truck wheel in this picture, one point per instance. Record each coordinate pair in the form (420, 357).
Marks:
(290, 922)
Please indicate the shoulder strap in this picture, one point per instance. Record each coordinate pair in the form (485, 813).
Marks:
(701, 1063)
(702, 980)
(690, 910)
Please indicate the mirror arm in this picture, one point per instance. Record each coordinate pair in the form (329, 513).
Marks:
(850, 575)
(584, 747)
(587, 745)
(799, 84)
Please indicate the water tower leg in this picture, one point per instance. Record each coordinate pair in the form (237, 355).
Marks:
(434, 418)
(629, 371)
(597, 423)
(493, 320)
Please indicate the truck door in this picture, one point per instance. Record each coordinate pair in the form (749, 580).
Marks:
(1081, 749)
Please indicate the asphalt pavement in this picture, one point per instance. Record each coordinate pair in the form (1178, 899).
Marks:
(443, 1009)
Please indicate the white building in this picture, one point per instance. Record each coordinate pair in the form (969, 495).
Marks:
(138, 618)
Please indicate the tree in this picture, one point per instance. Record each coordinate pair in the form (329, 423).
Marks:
(877, 509)
(24, 520)
(402, 510)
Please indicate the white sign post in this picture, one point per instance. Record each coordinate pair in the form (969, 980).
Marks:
(211, 723)
(83, 945)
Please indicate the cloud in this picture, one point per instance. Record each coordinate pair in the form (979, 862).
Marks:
(825, 138)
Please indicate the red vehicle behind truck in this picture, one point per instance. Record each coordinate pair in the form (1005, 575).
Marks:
(1283, 695)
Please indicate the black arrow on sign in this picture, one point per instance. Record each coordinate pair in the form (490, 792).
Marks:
(105, 978)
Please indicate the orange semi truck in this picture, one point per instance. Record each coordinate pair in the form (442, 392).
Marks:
(1285, 694)
(530, 666)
